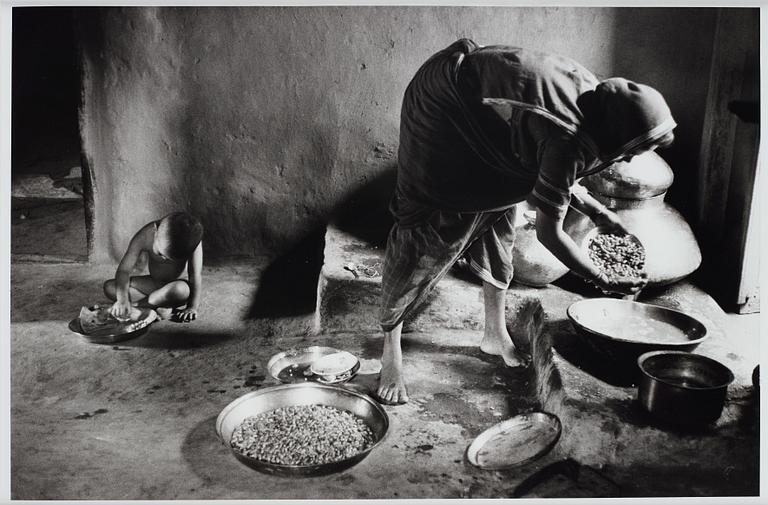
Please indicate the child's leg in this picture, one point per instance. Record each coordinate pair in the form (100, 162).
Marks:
(139, 288)
(171, 295)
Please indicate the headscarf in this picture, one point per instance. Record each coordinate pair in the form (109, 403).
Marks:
(620, 115)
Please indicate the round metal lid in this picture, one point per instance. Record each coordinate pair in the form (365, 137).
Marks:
(516, 441)
(646, 176)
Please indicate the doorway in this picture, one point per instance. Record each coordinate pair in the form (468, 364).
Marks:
(48, 213)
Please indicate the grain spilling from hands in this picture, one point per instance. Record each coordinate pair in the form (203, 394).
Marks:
(617, 256)
(302, 435)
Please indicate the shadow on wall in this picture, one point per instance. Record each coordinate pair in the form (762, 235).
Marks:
(365, 213)
(684, 81)
(288, 286)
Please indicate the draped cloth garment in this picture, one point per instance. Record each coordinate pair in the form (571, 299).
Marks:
(484, 128)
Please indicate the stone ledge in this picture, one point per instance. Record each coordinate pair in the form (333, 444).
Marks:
(346, 302)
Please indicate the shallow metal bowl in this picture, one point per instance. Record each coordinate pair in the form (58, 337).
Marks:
(126, 331)
(306, 393)
(682, 388)
(594, 319)
(594, 232)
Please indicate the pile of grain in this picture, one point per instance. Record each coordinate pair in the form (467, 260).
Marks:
(302, 435)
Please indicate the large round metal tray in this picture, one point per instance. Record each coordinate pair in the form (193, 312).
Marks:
(515, 442)
(606, 324)
(124, 331)
(306, 393)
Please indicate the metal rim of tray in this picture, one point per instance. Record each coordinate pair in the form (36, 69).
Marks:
(320, 469)
(479, 442)
(75, 327)
(341, 378)
(668, 345)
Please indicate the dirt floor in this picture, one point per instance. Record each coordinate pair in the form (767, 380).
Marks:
(144, 410)
(136, 420)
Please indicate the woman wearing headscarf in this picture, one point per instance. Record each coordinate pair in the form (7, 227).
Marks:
(482, 129)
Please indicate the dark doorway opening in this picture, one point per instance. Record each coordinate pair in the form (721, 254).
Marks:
(48, 218)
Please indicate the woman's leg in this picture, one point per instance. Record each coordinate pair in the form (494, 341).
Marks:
(391, 381)
(496, 339)
(490, 258)
(415, 260)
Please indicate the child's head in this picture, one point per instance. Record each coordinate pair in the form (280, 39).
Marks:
(178, 234)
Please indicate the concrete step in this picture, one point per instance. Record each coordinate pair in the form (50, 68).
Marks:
(347, 302)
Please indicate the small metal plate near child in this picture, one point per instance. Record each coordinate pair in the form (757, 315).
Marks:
(108, 330)
(331, 366)
(514, 442)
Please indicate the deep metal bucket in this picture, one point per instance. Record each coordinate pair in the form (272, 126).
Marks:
(682, 388)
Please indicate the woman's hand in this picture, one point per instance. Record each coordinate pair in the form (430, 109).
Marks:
(621, 285)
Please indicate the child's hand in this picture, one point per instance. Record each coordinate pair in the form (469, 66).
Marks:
(187, 315)
(121, 310)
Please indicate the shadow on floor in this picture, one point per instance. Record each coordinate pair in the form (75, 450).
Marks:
(213, 462)
(187, 337)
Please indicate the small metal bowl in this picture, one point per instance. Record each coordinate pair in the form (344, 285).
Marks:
(294, 365)
(683, 388)
(306, 393)
(345, 367)
(603, 323)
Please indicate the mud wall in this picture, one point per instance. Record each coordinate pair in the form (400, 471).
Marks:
(264, 121)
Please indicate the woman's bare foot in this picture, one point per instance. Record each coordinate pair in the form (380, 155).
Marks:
(501, 345)
(392, 388)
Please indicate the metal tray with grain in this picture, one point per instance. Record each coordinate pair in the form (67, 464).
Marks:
(305, 393)
(118, 333)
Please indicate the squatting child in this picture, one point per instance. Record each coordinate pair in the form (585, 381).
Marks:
(173, 245)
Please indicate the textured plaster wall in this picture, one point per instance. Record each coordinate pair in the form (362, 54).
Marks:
(265, 120)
